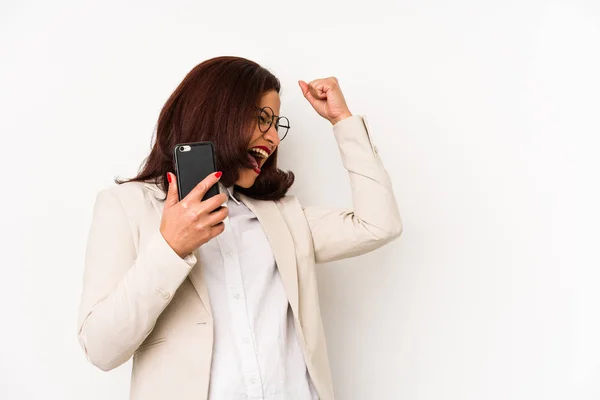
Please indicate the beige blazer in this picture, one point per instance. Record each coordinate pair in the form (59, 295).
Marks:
(140, 299)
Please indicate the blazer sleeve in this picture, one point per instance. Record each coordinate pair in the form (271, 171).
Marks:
(124, 290)
(375, 219)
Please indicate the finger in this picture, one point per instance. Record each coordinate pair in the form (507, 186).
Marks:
(216, 217)
(172, 195)
(209, 205)
(200, 210)
(217, 229)
(198, 192)
(318, 89)
(306, 91)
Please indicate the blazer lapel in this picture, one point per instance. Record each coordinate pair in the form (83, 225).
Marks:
(281, 242)
(195, 275)
(277, 233)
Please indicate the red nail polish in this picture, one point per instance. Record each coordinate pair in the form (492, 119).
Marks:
(169, 177)
(218, 174)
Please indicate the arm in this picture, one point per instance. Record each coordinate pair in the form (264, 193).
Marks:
(124, 290)
(375, 219)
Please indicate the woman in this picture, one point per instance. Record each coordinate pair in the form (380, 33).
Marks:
(221, 302)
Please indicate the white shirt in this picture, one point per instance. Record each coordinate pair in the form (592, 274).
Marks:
(256, 353)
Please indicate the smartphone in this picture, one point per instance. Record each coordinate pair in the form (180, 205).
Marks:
(193, 163)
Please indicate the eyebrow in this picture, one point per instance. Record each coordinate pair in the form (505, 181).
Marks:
(274, 115)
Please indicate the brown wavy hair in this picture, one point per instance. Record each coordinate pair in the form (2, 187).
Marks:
(216, 102)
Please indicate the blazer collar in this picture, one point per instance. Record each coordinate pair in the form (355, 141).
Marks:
(278, 234)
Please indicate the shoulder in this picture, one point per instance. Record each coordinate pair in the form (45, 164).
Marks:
(123, 191)
(288, 201)
(130, 196)
(291, 208)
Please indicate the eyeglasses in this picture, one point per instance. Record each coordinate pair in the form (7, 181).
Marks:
(267, 117)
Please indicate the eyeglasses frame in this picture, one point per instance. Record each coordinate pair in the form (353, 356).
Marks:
(277, 125)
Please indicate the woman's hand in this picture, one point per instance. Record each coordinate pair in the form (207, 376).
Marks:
(327, 99)
(189, 223)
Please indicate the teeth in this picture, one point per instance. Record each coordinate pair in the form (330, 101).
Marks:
(259, 152)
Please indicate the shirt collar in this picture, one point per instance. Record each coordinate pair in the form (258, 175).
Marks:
(230, 191)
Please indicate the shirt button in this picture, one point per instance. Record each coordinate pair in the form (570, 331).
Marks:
(237, 295)
(253, 380)
(229, 255)
(166, 295)
(246, 340)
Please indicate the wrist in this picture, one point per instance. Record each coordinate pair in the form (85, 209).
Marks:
(340, 117)
(173, 247)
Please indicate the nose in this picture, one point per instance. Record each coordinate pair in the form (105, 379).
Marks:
(272, 135)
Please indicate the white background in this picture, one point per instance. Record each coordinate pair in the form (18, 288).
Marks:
(486, 115)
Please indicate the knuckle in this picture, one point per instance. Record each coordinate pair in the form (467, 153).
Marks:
(195, 214)
(203, 232)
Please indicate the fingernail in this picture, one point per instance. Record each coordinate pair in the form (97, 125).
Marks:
(169, 177)
(218, 174)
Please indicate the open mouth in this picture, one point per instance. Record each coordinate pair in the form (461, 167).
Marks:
(257, 156)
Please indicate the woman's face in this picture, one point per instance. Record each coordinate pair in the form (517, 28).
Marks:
(262, 144)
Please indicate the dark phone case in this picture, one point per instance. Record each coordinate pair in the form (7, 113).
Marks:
(193, 166)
